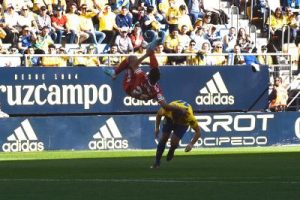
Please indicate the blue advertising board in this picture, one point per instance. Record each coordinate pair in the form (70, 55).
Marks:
(80, 90)
(121, 132)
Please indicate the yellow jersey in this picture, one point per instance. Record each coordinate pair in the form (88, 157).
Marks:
(188, 120)
(171, 42)
(172, 15)
(92, 62)
(106, 21)
(276, 23)
(73, 22)
(50, 61)
(86, 22)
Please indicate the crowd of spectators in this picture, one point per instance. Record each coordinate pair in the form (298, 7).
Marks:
(126, 26)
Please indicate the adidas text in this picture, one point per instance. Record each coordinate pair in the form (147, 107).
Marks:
(129, 101)
(24, 146)
(103, 144)
(215, 99)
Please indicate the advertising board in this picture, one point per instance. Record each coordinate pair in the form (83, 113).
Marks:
(121, 132)
(76, 90)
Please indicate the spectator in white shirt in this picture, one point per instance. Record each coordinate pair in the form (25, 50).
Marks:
(14, 61)
(199, 36)
(11, 61)
(43, 19)
(26, 17)
(229, 40)
(183, 37)
(124, 42)
(10, 22)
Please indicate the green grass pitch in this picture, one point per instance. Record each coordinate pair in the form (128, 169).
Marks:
(267, 173)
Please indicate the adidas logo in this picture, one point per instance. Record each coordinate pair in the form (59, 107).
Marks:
(108, 137)
(130, 101)
(23, 139)
(215, 93)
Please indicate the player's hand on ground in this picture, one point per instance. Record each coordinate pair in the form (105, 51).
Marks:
(188, 148)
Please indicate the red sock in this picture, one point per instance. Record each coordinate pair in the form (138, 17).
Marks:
(153, 61)
(123, 65)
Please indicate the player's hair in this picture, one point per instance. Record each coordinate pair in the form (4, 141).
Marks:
(154, 76)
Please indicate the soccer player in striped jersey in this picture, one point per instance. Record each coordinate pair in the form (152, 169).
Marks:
(177, 124)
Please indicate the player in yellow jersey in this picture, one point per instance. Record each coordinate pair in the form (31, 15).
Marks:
(177, 124)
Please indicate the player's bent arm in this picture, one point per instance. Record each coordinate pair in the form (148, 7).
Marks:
(159, 115)
(196, 135)
(194, 140)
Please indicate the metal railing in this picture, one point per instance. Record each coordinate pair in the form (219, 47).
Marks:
(234, 10)
(294, 97)
(269, 24)
(251, 9)
(253, 30)
(287, 66)
(288, 35)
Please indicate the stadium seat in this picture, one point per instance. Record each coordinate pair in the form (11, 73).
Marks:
(101, 47)
(273, 4)
(6, 45)
(292, 49)
(223, 32)
(211, 4)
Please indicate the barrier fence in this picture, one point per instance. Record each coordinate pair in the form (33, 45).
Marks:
(71, 90)
(284, 66)
(119, 132)
(288, 56)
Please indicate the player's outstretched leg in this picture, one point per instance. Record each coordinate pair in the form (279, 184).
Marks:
(113, 72)
(153, 60)
(159, 152)
(174, 145)
(109, 71)
(154, 76)
(160, 149)
(170, 154)
(152, 45)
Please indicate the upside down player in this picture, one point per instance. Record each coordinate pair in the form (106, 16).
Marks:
(137, 83)
(177, 124)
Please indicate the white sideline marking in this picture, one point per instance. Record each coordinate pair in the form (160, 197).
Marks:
(264, 181)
